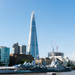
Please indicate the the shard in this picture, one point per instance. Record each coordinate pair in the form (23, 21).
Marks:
(32, 42)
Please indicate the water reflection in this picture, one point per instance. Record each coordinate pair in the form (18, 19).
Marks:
(61, 73)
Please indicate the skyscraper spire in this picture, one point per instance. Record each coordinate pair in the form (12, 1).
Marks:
(32, 42)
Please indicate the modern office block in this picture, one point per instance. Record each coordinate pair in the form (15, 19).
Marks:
(4, 56)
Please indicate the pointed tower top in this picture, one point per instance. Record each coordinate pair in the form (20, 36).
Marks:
(33, 12)
(32, 23)
(32, 15)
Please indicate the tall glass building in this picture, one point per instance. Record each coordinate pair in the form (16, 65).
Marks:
(32, 42)
(4, 56)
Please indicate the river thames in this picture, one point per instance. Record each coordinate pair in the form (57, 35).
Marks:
(60, 73)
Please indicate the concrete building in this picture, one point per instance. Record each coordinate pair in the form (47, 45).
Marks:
(23, 49)
(19, 49)
(16, 48)
(33, 43)
(55, 54)
(4, 56)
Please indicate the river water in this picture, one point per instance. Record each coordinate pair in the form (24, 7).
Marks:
(61, 73)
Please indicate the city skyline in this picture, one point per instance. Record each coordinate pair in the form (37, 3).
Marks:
(55, 24)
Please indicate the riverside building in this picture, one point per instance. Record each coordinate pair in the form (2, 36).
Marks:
(4, 56)
(58, 56)
(32, 42)
(55, 54)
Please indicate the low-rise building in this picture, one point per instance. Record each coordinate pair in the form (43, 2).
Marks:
(19, 59)
(50, 54)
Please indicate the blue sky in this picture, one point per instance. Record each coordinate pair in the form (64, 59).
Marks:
(55, 21)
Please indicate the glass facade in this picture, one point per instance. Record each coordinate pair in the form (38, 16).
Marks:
(4, 56)
(32, 43)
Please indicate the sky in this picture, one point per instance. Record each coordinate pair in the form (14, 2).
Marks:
(55, 22)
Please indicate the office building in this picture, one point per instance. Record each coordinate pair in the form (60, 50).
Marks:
(32, 42)
(4, 56)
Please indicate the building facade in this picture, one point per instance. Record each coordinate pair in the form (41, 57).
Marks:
(55, 54)
(19, 49)
(32, 42)
(4, 56)
(23, 49)
(16, 48)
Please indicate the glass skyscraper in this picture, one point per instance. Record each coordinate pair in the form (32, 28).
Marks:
(32, 42)
(4, 56)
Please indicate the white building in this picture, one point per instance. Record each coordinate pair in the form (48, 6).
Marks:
(4, 56)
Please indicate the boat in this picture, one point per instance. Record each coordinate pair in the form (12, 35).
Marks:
(12, 70)
(55, 66)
